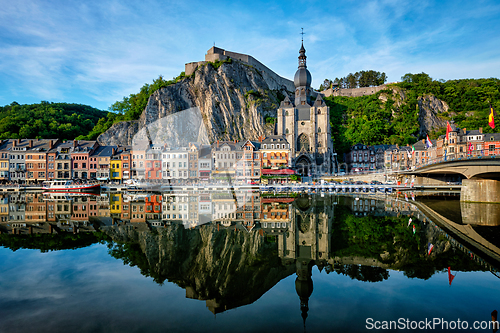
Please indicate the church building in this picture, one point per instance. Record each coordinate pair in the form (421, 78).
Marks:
(305, 123)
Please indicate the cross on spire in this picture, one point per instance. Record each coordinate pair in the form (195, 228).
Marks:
(302, 33)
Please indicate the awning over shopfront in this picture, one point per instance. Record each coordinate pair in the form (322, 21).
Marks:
(277, 172)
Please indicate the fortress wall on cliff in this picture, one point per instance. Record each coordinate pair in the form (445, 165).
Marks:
(354, 92)
(215, 53)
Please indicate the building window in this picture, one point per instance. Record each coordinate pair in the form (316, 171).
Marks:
(303, 142)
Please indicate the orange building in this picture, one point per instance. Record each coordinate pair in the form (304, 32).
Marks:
(37, 158)
(152, 170)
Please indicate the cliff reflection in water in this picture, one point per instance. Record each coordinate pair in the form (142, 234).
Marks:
(229, 248)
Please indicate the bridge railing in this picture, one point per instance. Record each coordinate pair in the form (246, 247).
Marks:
(473, 155)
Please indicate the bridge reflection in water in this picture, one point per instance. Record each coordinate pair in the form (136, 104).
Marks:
(229, 248)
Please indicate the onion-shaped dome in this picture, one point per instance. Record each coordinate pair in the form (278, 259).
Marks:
(302, 78)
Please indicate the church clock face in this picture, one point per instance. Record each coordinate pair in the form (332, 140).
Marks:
(302, 123)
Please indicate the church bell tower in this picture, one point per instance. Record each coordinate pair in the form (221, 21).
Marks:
(305, 124)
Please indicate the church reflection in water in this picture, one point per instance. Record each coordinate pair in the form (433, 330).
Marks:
(229, 248)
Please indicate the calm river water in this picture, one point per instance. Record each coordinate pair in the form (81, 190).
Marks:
(246, 262)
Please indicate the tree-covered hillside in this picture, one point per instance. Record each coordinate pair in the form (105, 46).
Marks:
(47, 120)
(380, 120)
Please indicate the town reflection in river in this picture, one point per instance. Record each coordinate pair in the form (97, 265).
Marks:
(229, 248)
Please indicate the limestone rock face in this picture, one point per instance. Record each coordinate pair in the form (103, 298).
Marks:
(119, 133)
(429, 109)
(233, 100)
(227, 268)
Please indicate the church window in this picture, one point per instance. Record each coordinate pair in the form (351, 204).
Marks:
(303, 102)
(303, 142)
(286, 131)
(319, 111)
(302, 123)
(319, 130)
(286, 113)
(319, 144)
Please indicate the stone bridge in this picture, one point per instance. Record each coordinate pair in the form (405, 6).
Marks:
(483, 168)
(480, 177)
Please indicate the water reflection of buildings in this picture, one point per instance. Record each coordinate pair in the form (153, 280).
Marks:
(298, 230)
(306, 241)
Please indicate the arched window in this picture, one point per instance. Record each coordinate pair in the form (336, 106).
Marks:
(303, 142)
(319, 111)
(286, 112)
(319, 129)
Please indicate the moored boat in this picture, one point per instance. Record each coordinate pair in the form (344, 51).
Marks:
(69, 186)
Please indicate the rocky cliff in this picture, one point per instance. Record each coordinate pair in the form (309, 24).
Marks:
(227, 268)
(429, 108)
(232, 98)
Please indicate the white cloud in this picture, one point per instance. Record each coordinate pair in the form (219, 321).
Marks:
(100, 51)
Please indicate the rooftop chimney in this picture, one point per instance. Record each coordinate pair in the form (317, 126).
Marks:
(481, 130)
(113, 151)
(51, 145)
(75, 143)
(14, 143)
(30, 144)
(465, 130)
(217, 143)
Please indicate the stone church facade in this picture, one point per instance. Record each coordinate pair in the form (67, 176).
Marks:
(306, 126)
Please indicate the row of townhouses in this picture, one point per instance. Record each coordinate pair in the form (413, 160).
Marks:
(188, 209)
(25, 212)
(461, 143)
(38, 160)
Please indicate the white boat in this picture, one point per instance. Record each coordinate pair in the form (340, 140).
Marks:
(69, 186)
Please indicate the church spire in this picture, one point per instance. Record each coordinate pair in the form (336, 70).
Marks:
(302, 78)
(302, 52)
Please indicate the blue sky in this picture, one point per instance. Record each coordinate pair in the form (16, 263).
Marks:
(97, 52)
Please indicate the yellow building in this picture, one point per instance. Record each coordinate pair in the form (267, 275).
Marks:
(115, 170)
(115, 204)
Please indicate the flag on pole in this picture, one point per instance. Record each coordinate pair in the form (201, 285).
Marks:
(450, 276)
(428, 142)
(429, 249)
(491, 117)
(448, 130)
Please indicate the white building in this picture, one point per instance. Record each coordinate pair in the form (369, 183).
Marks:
(175, 164)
